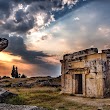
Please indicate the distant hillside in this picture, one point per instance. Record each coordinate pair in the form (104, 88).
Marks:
(30, 82)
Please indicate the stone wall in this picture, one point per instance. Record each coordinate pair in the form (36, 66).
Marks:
(106, 71)
(94, 68)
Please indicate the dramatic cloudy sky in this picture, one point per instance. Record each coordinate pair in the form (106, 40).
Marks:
(41, 31)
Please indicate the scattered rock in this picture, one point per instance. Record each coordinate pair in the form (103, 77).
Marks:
(19, 84)
(29, 85)
(5, 85)
(53, 84)
(23, 84)
(39, 81)
(19, 107)
(48, 82)
(45, 83)
(100, 108)
(4, 94)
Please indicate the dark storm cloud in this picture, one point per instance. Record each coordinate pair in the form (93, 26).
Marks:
(54, 3)
(21, 20)
(4, 5)
(5, 8)
(20, 15)
(67, 9)
(18, 48)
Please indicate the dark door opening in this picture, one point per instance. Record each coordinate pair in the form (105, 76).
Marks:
(78, 84)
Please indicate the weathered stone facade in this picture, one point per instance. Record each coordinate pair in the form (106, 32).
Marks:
(86, 73)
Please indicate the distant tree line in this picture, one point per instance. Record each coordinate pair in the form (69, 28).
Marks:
(15, 73)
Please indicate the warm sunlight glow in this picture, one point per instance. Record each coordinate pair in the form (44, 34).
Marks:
(7, 57)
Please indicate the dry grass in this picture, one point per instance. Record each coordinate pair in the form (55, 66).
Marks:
(47, 97)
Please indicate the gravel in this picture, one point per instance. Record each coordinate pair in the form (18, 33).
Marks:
(19, 107)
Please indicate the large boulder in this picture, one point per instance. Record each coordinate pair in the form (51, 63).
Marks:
(18, 84)
(29, 85)
(4, 94)
(3, 43)
(45, 83)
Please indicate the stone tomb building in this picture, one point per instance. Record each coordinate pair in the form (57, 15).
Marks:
(86, 73)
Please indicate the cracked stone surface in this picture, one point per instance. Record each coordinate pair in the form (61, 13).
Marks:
(3, 43)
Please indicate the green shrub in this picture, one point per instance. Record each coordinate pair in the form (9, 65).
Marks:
(17, 100)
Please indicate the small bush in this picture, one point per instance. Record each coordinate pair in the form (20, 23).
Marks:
(23, 76)
(17, 100)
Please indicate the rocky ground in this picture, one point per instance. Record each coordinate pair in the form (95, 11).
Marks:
(18, 107)
(4, 94)
(44, 92)
(99, 103)
(19, 83)
(30, 82)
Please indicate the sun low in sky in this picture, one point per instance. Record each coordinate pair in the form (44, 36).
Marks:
(41, 32)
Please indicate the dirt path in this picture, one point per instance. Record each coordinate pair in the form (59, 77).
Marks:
(89, 101)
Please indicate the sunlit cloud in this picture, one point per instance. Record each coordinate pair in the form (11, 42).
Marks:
(2, 22)
(107, 46)
(23, 68)
(7, 57)
(104, 31)
(52, 60)
(40, 18)
(41, 41)
(76, 18)
(70, 2)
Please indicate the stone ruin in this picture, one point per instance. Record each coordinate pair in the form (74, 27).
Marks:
(86, 73)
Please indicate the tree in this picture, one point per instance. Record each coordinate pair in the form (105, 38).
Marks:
(5, 77)
(19, 75)
(23, 76)
(16, 73)
(13, 72)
